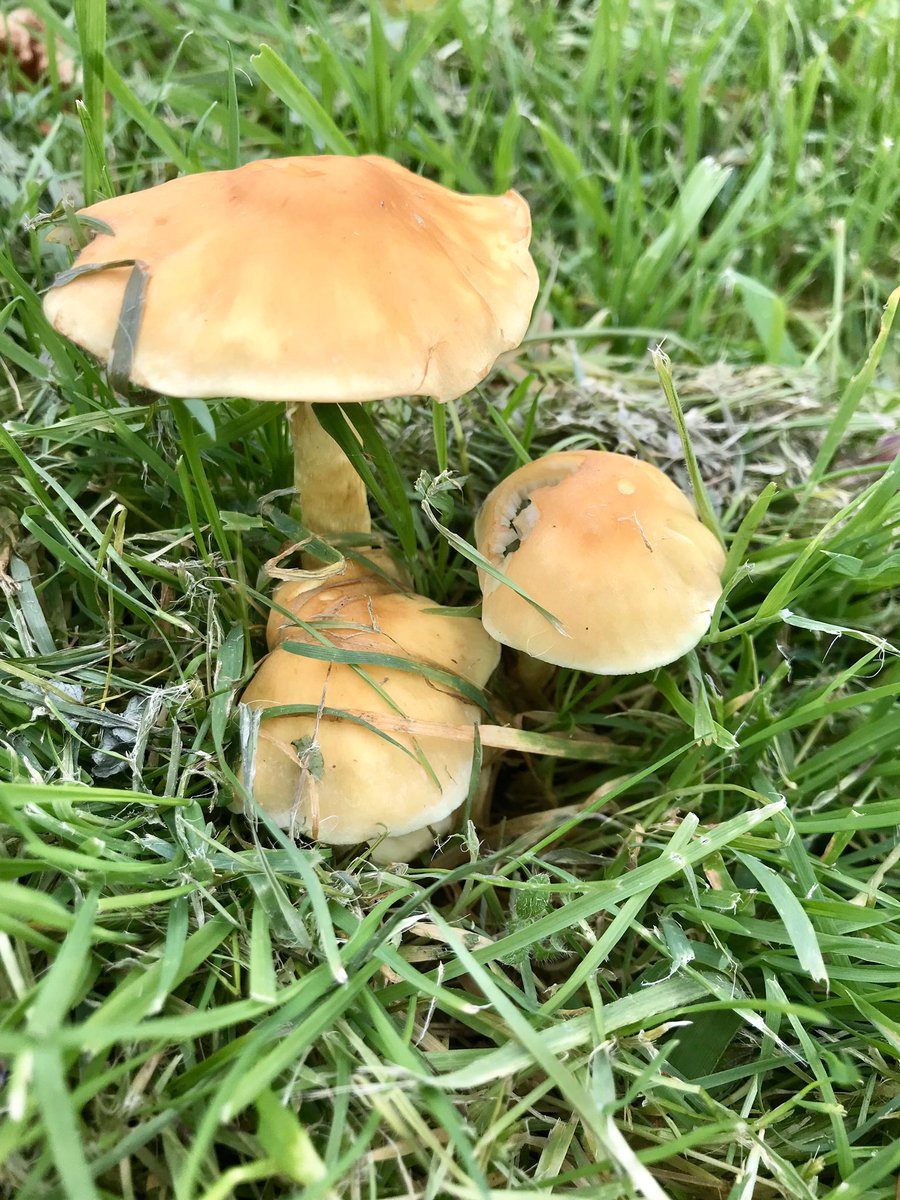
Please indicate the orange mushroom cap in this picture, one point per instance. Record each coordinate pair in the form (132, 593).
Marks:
(611, 548)
(312, 278)
(367, 785)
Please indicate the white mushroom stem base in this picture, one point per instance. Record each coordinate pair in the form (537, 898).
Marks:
(331, 494)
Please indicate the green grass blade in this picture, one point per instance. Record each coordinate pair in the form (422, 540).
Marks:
(796, 922)
(277, 75)
(63, 1134)
(853, 393)
(90, 20)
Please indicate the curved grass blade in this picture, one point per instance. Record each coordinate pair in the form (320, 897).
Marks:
(365, 658)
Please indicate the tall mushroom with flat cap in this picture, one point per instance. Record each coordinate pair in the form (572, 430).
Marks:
(342, 767)
(322, 278)
(609, 546)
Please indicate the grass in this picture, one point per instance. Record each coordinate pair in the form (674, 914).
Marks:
(670, 966)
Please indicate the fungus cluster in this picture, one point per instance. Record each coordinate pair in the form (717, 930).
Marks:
(340, 279)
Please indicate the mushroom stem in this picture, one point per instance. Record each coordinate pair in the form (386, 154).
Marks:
(331, 494)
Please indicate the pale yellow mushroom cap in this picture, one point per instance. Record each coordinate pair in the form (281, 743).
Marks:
(311, 278)
(612, 548)
(362, 785)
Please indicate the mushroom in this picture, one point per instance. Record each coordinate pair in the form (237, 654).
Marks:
(322, 278)
(612, 549)
(347, 770)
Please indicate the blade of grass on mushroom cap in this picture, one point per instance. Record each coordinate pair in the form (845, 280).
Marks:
(128, 327)
(425, 486)
(366, 658)
(498, 737)
(76, 272)
(64, 222)
(374, 722)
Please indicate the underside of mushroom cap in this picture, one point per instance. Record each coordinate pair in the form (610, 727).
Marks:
(310, 278)
(612, 549)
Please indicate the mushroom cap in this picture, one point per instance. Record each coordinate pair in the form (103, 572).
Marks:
(609, 546)
(310, 278)
(365, 784)
(322, 593)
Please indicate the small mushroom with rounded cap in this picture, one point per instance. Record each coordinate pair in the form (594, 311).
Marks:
(612, 549)
(321, 278)
(369, 760)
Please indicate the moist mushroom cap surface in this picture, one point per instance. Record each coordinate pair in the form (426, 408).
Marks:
(309, 278)
(608, 545)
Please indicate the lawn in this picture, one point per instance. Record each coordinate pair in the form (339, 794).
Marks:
(668, 963)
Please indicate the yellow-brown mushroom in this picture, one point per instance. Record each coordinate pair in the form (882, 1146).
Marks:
(612, 549)
(345, 771)
(321, 278)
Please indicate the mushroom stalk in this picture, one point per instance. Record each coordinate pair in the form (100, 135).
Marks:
(331, 494)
